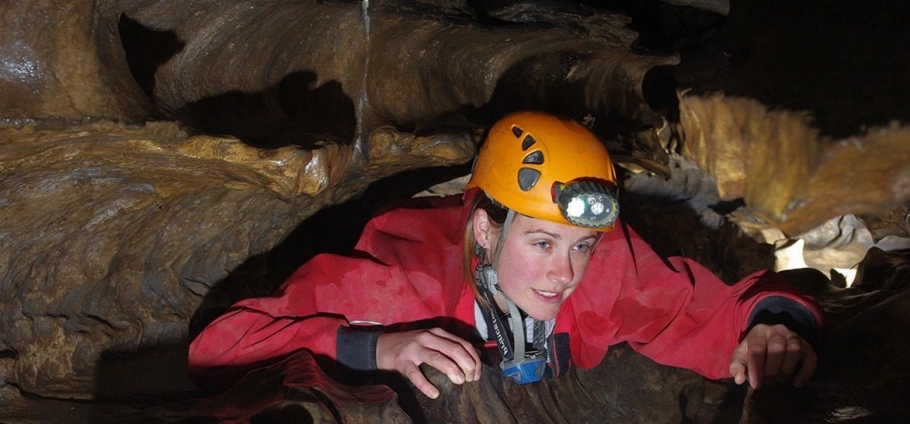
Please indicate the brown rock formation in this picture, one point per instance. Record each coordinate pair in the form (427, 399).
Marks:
(800, 110)
(121, 231)
(151, 151)
(785, 171)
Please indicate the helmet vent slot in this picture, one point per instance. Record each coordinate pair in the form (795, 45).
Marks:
(527, 178)
(517, 131)
(534, 158)
(527, 142)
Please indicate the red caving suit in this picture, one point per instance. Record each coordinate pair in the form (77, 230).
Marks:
(407, 267)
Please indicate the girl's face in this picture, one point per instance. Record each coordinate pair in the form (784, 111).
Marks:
(541, 262)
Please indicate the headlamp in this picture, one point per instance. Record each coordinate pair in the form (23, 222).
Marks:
(587, 203)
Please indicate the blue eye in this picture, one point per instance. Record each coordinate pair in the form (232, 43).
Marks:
(583, 247)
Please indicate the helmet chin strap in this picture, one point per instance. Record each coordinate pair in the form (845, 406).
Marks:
(488, 278)
(510, 216)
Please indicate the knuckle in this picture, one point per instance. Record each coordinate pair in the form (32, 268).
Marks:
(424, 334)
(776, 348)
(755, 349)
(434, 356)
(413, 373)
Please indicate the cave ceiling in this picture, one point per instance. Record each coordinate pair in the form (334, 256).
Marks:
(152, 150)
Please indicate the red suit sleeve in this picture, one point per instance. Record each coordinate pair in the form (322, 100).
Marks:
(406, 268)
(674, 310)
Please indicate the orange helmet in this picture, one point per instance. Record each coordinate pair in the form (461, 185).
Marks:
(549, 168)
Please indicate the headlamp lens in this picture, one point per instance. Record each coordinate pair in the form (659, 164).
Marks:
(588, 204)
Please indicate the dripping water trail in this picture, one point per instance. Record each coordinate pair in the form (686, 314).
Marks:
(361, 138)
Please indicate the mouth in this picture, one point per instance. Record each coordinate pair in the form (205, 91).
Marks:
(548, 296)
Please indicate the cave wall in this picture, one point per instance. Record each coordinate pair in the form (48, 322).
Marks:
(150, 148)
(257, 115)
(63, 61)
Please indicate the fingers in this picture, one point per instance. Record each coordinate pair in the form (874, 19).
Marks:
(420, 382)
(451, 355)
(738, 364)
(756, 361)
(810, 362)
(445, 365)
(771, 352)
(792, 355)
(464, 355)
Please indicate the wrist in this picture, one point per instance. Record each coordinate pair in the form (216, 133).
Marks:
(356, 348)
(779, 310)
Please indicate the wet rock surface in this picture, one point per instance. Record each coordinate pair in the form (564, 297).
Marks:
(163, 159)
(122, 230)
(296, 390)
(118, 237)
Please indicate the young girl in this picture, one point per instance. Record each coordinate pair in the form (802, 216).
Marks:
(532, 259)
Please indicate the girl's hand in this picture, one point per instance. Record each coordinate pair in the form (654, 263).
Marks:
(451, 355)
(772, 351)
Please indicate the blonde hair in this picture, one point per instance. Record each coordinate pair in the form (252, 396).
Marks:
(470, 248)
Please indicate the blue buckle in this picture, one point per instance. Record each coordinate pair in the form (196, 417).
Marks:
(524, 371)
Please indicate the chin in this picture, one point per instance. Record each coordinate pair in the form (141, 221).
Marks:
(543, 315)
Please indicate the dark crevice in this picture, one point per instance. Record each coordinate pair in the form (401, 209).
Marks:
(292, 112)
(146, 50)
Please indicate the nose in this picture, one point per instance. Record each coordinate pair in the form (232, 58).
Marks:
(560, 270)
